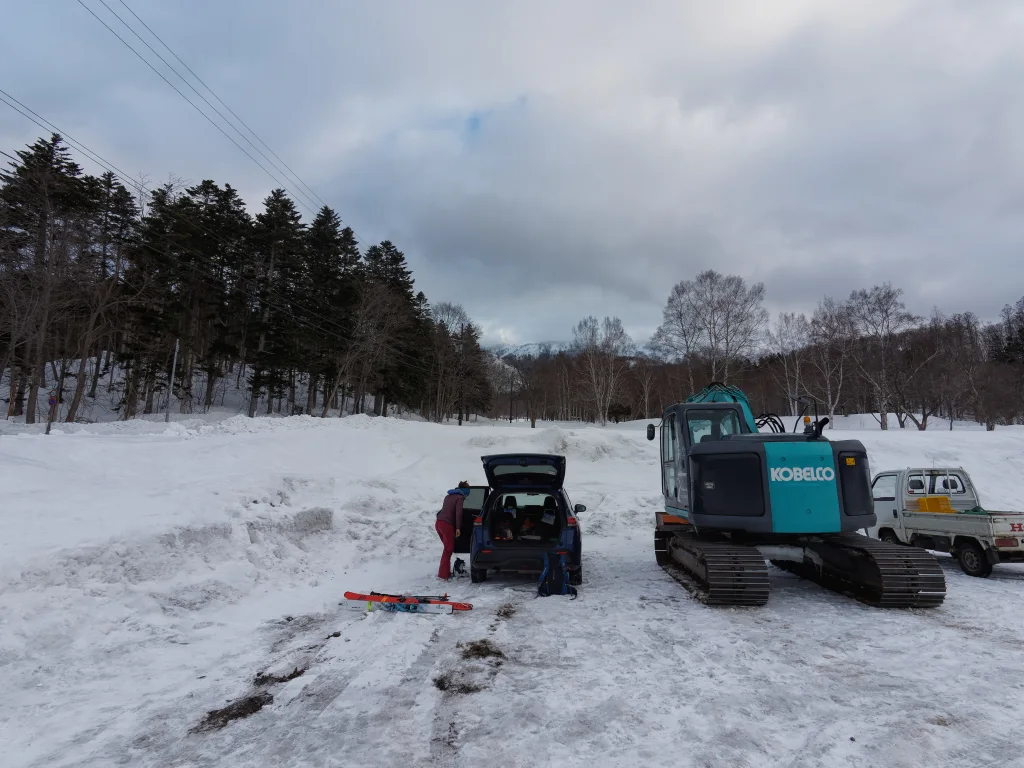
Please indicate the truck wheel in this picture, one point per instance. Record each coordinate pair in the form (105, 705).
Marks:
(889, 537)
(476, 575)
(973, 561)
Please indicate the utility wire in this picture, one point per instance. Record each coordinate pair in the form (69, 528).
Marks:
(197, 93)
(218, 98)
(194, 106)
(264, 290)
(46, 125)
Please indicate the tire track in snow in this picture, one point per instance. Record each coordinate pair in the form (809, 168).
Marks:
(456, 713)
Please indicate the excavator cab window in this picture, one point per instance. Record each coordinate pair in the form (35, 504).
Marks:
(669, 448)
(705, 426)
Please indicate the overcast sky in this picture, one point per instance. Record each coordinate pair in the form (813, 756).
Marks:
(540, 161)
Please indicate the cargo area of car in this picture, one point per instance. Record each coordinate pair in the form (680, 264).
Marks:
(525, 520)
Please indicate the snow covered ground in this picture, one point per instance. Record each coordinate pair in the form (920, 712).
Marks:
(149, 573)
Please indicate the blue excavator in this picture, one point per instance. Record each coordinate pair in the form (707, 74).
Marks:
(736, 496)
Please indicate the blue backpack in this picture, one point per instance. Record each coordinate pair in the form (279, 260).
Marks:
(554, 579)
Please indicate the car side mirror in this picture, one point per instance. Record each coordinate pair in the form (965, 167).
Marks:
(579, 508)
(650, 431)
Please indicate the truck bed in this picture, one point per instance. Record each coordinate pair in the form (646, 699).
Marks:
(992, 523)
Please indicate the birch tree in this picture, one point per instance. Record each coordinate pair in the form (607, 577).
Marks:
(831, 335)
(715, 318)
(644, 373)
(788, 339)
(601, 349)
(879, 316)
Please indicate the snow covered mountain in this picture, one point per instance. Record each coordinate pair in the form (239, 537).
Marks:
(533, 349)
(538, 348)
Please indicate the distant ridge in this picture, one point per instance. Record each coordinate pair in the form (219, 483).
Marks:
(539, 348)
(533, 349)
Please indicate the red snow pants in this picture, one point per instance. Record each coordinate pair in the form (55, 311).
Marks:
(447, 533)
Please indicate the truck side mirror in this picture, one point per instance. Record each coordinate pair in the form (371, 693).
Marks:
(650, 431)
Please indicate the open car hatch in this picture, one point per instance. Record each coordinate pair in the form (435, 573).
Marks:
(525, 470)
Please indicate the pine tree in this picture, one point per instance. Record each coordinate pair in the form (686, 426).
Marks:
(110, 233)
(90, 283)
(329, 298)
(43, 196)
(278, 241)
(386, 264)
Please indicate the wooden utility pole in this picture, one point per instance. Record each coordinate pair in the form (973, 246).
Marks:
(170, 386)
(462, 370)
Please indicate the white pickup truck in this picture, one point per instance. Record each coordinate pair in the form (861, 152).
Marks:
(977, 538)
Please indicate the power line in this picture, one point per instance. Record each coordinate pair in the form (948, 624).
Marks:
(46, 125)
(191, 103)
(197, 93)
(266, 290)
(218, 98)
(105, 164)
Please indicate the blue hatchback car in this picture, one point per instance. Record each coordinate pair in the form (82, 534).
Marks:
(521, 514)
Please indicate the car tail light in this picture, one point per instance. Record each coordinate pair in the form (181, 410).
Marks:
(572, 522)
(478, 521)
(1006, 542)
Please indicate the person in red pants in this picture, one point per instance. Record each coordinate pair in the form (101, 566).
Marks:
(448, 526)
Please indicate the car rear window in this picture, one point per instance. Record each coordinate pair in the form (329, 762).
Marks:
(516, 469)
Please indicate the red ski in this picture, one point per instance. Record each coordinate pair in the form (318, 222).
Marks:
(380, 597)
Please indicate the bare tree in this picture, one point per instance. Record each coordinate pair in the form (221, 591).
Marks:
(880, 316)
(967, 352)
(832, 334)
(450, 323)
(529, 378)
(679, 336)
(918, 372)
(19, 308)
(505, 380)
(644, 370)
(715, 317)
(788, 340)
(602, 349)
(378, 320)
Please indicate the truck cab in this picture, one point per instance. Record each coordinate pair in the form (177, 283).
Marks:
(939, 509)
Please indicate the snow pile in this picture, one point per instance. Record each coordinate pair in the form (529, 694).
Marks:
(150, 573)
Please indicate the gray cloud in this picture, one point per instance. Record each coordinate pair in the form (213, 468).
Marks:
(540, 164)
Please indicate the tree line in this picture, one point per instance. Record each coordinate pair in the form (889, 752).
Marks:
(864, 353)
(179, 295)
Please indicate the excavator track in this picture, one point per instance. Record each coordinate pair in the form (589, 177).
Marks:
(716, 573)
(874, 572)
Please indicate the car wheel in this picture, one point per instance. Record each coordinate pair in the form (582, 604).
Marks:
(476, 575)
(576, 577)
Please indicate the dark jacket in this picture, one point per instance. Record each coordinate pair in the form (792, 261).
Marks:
(451, 510)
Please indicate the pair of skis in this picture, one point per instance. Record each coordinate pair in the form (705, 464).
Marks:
(409, 603)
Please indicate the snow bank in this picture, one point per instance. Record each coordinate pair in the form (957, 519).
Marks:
(149, 571)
